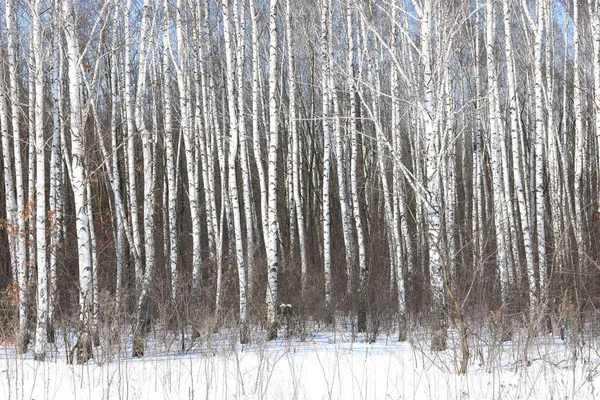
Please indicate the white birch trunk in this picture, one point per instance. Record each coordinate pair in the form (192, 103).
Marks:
(12, 215)
(78, 184)
(190, 153)
(478, 173)
(31, 167)
(354, 162)
(170, 165)
(56, 196)
(136, 245)
(432, 163)
(147, 136)
(273, 227)
(403, 250)
(240, 19)
(16, 112)
(114, 174)
(540, 139)
(296, 150)
(94, 259)
(345, 206)
(579, 155)
(326, 218)
(41, 331)
(10, 224)
(218, 147)
(232, 177)
(258, 156)
(496, 154)
(449, 174)
(207, 153)
(519, 183)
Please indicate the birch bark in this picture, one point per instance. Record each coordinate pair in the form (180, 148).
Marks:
(273, 221)
(326, 218)
(41, 332)
(78, 185)
(136, 245)
(232, 176)
(170, 162)
(147, 137)
(296, 150)
(496, 153)
(432, 175)
(16, 114)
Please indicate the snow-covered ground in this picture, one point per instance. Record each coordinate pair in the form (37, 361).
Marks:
(324, 366)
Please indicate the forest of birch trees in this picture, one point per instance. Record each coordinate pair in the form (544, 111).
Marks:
(430, 163)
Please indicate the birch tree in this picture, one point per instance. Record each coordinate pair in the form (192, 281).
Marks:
(326, 218)
(78, 185)
(40, 190)
(170, 161)
(148, 153)
(273, 221)
(16, 114)
(232, 176)
(136, 246)
(354, 162)
(10, 224)
(296, 150)
(432, 183)
(518, 175)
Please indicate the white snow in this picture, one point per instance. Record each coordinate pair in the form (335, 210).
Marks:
(326, 366)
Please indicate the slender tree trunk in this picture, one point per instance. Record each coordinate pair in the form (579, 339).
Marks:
(16, 114)
(580, 139)
(12, 215)
(258, 156)
(326, 217)
(136, 246)
(519, 181)
(78, 185)
(232, 176)
(273, 222)
(41, 333)
(170, 165)
(432, 183)
(147, 136)
(354, 161)
(403, 249)
(114, 172)
(496, 155)
(296, 150)
(56, 196)
(540, 139)
(240, 19)
(190, 153)
(31, 165)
